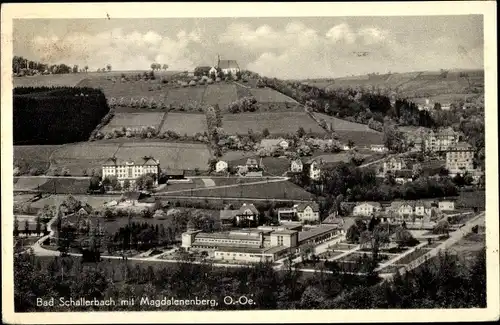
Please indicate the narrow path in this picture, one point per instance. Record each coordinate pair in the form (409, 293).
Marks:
(163, 119)
(230, 198)
(399, 257)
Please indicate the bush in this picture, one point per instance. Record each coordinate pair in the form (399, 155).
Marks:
(218, 79)
(192, 83)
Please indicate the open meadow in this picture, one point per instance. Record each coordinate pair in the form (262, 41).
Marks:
(277, 123)
(221, 94)
(185, 123)
(273, 190)
(83, 156)
(35, 156)
(182, 156)
(268, 95)
(68, 80)
(134, 120)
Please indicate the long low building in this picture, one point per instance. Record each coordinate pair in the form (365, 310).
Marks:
(265, 243)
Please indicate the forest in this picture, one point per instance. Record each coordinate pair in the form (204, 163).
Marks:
(56, 115)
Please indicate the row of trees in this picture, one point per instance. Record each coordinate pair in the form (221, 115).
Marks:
(356, 105)
(446, 282)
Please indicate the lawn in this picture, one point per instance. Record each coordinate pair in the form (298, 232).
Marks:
(189, 124)
(195, 183)
(185, 156)
(281, 123)
(27, 157)
(267, 95)
(221, 94)
(275, 166)
(134, 120)
(274, 190)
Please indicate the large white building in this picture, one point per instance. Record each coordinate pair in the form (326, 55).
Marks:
(366, 209)
(130, 170)
(460, 158)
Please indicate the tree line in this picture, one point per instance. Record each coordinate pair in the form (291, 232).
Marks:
(445, 282)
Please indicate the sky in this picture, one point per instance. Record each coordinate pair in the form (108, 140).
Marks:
(289, 48)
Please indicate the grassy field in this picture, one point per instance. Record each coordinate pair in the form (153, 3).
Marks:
(34, 156)
(65, 186)
(412, 84)
(187, 156)
(468, 246)
(96, 202)
(67, 80)
(134, 120)
(190, 97)
(343, 125)
(221, 94)
(267, 95)
(127, 90)
(31, 183)
(231, 156)
(189, 124)
(83, 156)
(276, 190)
(277, 123)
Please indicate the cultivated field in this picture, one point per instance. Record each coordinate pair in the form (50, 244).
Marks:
(275, 190)
(34, 156)
(187, 156)
(277, 123)
(134, 120)
(190, 98)
(267, 95)
(65, 186)
(221, 94)
(185, 123)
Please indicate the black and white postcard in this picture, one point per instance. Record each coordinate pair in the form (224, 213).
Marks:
(249, 162)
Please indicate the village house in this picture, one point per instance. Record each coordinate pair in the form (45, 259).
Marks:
(271, 144)
(393, 165)
(287, 214)
(247, 212)
(130, 170)
(133, 198)
(252, 163)
(460, 159)
(378, 148)
(446, 205)
(403, 176)
(313, 170)
(423, 208)
(401, 208)
(366, 209)
(441, 140)
(308, 211)
(221, 166)
(302, 212)
(296, 166)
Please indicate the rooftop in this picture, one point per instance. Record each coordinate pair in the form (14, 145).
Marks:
(320, 230)
(145, 161)
(315, 207)
(228, 64)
